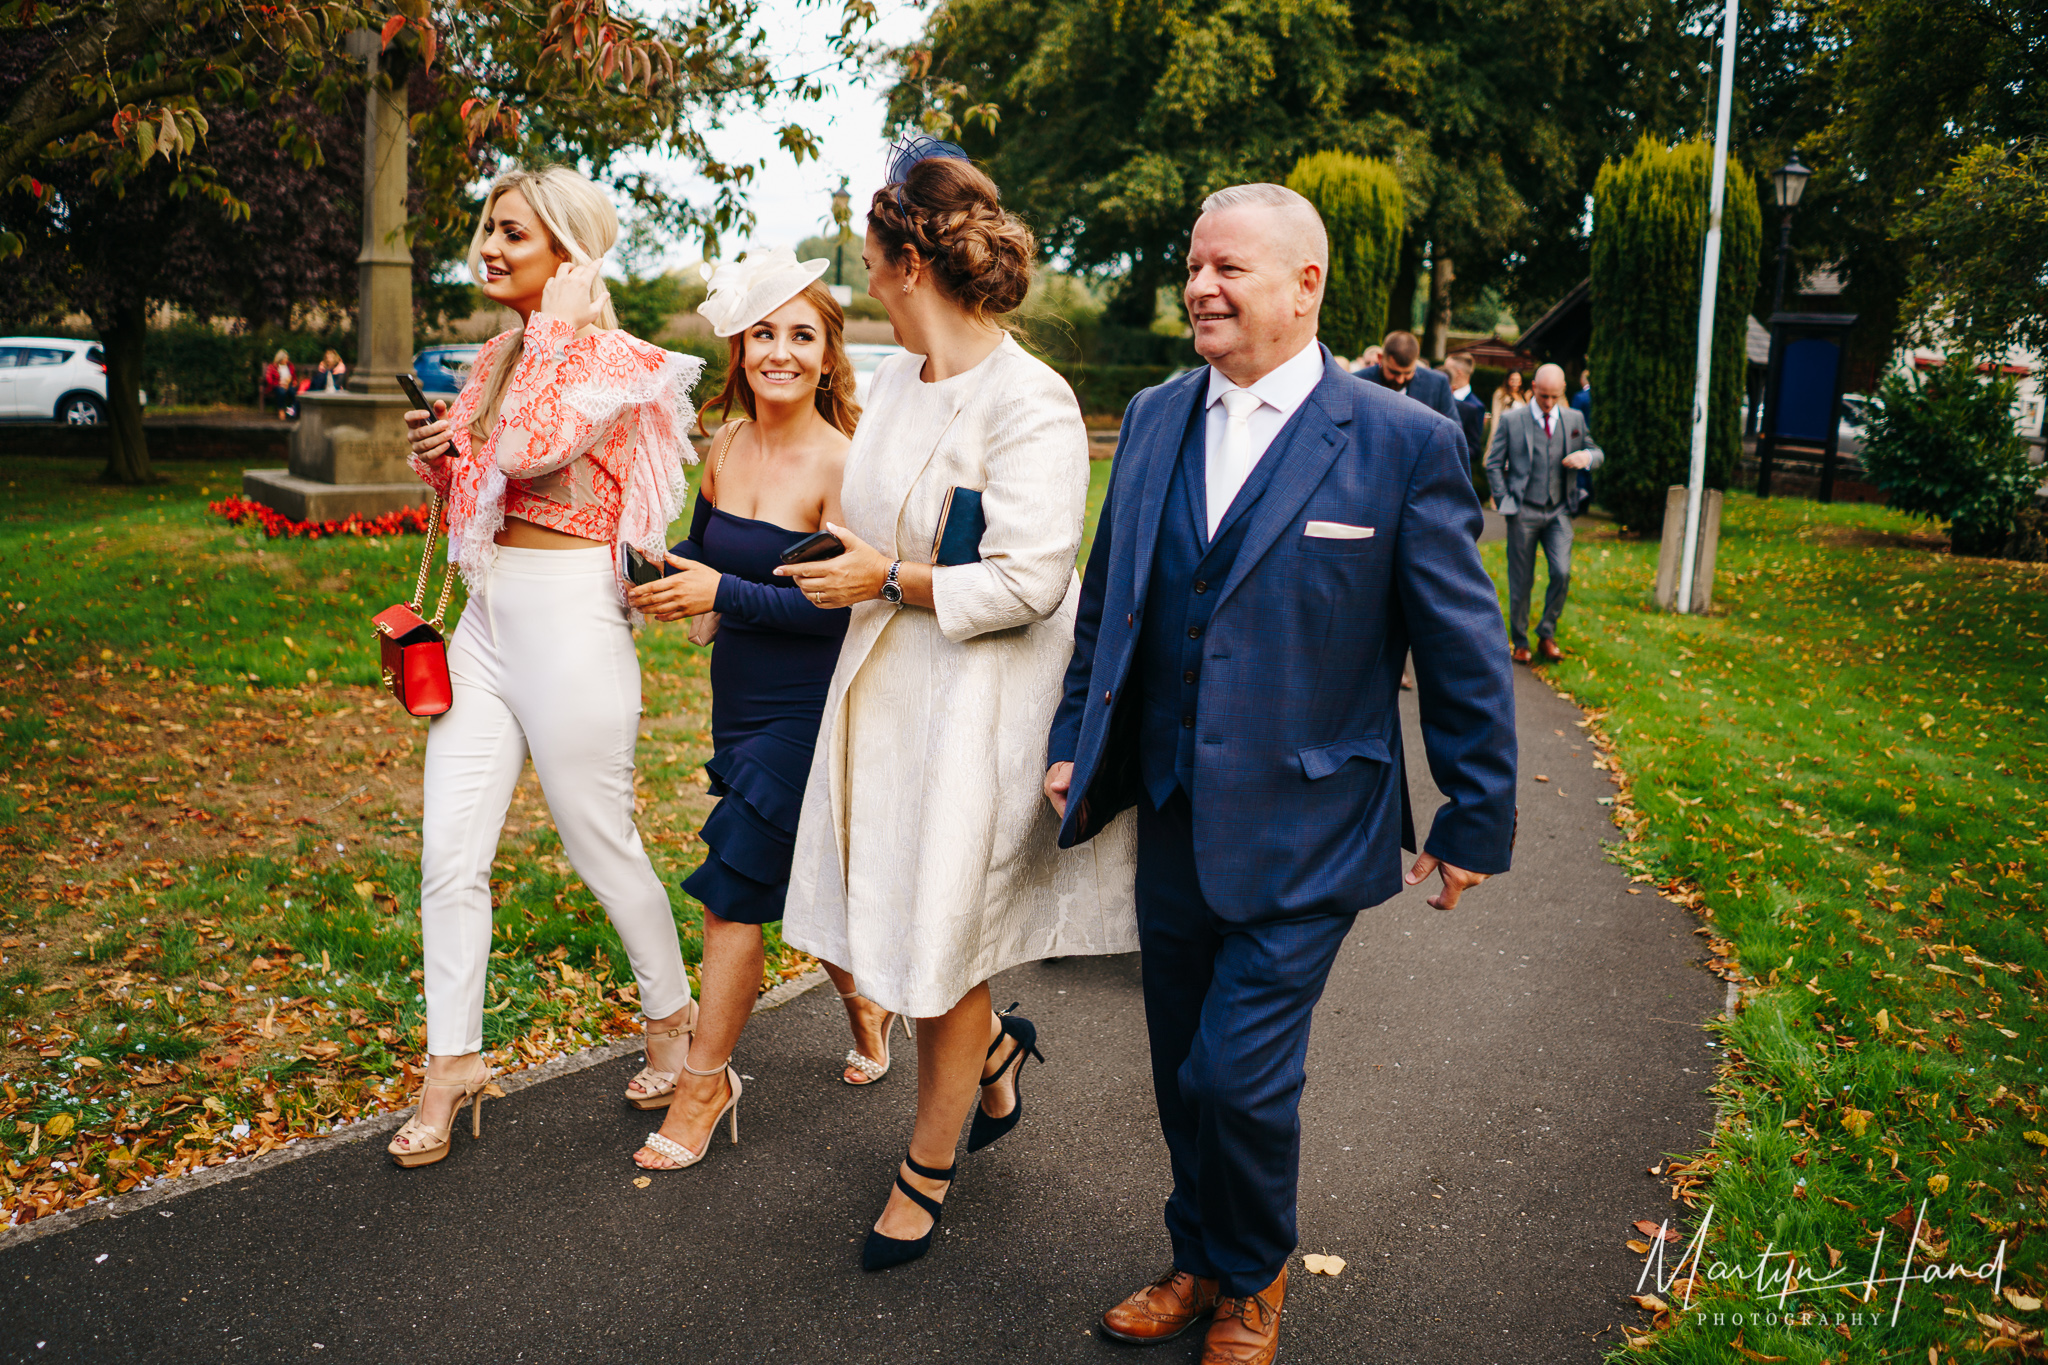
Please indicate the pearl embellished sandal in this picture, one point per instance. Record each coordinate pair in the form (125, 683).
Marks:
(860, 1061)
(675, 1151)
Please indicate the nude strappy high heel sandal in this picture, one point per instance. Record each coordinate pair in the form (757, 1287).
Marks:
(860, 1061)
(658, 1088)
(422, 1144)
(683, 1156)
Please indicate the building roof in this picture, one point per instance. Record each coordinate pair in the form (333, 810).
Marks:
(1566, 329)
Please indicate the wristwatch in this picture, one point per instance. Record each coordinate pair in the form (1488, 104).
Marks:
(892, 591)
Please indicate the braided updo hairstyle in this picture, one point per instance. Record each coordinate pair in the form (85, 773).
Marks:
(949, 211)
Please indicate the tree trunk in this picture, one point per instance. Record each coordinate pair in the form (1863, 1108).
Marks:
(122, 329)
(1136, 301)
(1437, 339)
(1401, 300)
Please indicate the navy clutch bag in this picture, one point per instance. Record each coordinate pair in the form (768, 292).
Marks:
(960, 529)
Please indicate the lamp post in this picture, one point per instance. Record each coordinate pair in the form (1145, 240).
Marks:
(1789, 183)
(842, 216)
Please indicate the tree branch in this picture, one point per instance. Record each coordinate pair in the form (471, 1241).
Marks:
(31, 143)
(43, 95)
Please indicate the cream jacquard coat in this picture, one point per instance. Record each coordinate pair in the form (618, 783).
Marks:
(926, 860)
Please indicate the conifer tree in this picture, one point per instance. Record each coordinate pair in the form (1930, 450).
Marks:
(1364, 210)
(1649, 229)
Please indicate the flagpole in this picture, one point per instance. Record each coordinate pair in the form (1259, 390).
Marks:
(1703, 353)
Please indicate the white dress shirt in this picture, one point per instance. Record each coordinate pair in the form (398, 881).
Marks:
(1461, 393)
(1279, 392)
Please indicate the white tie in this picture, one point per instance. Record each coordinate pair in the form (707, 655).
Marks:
(1231, 463)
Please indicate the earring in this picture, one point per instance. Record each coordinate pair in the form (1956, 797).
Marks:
(906, 286)
(824, 382)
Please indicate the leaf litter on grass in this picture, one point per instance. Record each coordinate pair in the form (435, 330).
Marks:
(1834, 771)
(212, 948)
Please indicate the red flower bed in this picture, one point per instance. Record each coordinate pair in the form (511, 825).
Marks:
(405, 521)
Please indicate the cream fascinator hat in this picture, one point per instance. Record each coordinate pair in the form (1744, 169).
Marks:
(744, 292)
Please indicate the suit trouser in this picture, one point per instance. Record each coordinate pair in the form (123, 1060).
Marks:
(542, 663)
(1227, 1008)
(1552, 528)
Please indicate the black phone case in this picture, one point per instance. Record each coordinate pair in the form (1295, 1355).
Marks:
(640, 569)
(815, 546)
(413, 391)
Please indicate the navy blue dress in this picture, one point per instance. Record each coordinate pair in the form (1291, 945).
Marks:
(771, 664)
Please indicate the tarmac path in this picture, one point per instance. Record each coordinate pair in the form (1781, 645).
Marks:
(1486, 1088)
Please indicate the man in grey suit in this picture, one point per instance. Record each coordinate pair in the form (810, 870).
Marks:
(1531, 468)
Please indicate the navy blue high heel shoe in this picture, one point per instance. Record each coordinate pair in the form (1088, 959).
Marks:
(884, 1253)
(985, 1130)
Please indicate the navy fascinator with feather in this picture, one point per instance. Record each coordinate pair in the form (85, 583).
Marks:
(911, 150)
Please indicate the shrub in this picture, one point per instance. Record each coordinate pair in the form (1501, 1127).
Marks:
(1108, 389)
(1649, 225)
(1364, 211)
(1942, 446)
(644, 306)
(2029, 539)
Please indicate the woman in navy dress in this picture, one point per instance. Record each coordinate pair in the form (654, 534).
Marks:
(771, 478)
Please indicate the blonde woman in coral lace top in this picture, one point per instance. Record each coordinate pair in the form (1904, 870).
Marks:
(567, 446)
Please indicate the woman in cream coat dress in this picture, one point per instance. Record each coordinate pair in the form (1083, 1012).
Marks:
(927, 860)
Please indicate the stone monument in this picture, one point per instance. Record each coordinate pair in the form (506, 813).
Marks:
(348, 453)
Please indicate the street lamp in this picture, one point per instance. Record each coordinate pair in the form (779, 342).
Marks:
(1789, 182)
(842, 215)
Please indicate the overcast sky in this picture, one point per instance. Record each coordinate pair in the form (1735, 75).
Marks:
(792, 202)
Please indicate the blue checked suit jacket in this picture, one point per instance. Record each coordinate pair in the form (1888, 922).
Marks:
(1301, 801)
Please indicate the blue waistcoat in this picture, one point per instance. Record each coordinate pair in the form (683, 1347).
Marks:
(1187, 569)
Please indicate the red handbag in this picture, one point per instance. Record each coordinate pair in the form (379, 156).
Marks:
(415, 655)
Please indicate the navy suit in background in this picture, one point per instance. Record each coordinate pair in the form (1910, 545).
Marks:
(1582, 403)
(1241, 692)
(1431, 388)
(1472, 417)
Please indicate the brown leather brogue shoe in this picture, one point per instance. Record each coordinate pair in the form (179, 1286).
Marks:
(1247, 1331)
(1520, 654)
(1162, 1310)
(1547, 647)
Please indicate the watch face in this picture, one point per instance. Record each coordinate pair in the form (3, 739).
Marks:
(891, 593)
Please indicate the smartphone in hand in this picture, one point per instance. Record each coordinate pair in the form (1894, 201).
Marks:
(642, 570)
(815, 546)
(413, 392)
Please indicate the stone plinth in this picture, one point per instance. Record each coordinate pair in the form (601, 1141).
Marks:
(306, 500)
(348, 455)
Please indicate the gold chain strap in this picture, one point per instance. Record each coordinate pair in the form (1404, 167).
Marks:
(419, 587)
(731, 434)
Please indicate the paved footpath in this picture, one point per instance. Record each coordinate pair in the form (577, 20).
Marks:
(1485, 1090)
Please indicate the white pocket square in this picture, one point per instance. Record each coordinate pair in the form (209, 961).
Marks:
(1336, 530)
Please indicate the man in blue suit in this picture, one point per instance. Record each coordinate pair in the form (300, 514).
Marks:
(1401, 369)
(1276, 537)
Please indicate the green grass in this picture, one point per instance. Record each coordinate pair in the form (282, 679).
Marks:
(1841, 767)
(209, 825)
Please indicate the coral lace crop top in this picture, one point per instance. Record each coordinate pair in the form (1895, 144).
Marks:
(591, 440)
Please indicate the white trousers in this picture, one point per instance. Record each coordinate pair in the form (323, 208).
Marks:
(542, 664)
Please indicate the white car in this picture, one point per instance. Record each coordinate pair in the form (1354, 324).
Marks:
(866, 356)
(51, 378)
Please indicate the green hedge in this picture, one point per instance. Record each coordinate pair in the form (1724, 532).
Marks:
(1106, 390)
(191, 363)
